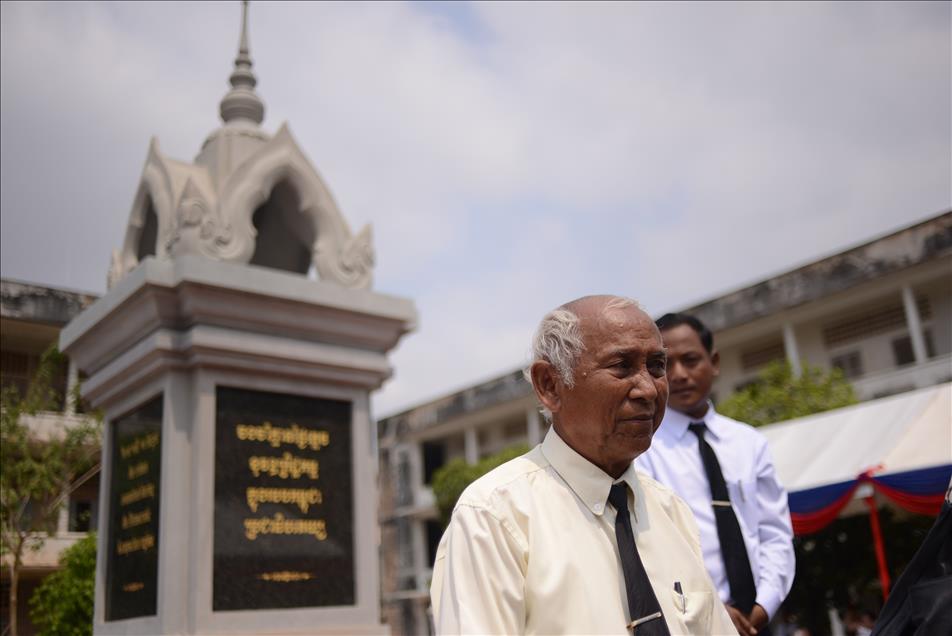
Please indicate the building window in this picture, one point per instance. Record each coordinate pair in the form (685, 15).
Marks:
(17, 370)
(4, 606)
(81, 517)
(407, 618)
(515, 432)
(851, 364)
(902, 348)
(434, 532)
(434, 457)
(756, 357)
(872, 322)
(404, 494)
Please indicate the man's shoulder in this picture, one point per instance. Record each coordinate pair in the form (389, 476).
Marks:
(673, 506)
(658, 492)
(739, 431)
(483, 490)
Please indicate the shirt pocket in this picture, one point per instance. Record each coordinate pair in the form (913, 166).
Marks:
(693, 610)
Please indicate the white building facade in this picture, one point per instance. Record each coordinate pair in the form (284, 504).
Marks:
(31, 317)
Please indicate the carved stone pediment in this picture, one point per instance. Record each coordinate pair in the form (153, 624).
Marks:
(193, 216)
(248, 198)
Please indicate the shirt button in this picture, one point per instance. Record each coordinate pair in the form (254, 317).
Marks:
(597, 507)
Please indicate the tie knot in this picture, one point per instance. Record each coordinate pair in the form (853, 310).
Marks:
(698, 428)
(618, 497)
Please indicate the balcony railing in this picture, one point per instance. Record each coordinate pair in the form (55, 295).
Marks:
(47, 423)
(48, 556)
(906, 378)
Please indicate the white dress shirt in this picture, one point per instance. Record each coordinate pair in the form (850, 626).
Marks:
(759, 501)
(531, 549)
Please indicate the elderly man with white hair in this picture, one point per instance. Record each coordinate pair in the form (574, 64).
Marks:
(568, 538)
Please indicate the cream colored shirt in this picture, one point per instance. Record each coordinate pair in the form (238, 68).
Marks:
(531, 550)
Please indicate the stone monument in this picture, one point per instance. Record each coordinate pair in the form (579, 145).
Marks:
(238, 464)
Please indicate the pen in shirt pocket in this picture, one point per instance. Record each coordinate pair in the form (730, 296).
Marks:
(682, 601)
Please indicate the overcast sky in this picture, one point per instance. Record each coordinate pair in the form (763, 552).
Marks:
(509, 156)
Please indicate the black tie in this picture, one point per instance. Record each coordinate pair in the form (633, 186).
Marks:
(642, 602)
(736, 562)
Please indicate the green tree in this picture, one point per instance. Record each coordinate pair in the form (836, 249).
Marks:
(63, 603)
(451, 480)
(778, 394)
(38, 469)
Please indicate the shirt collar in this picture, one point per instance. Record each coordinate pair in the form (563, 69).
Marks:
(589, 482)
(676, 423)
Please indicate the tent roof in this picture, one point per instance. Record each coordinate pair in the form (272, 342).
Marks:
(900, 433)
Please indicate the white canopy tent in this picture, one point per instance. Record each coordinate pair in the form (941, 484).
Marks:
(895, 434)
(908, 435)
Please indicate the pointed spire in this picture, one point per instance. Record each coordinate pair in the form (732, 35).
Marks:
(242, 102)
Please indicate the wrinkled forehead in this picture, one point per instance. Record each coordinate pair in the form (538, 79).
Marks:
(602, 324)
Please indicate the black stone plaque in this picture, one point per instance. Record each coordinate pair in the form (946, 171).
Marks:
(132, 561)
(284, 515)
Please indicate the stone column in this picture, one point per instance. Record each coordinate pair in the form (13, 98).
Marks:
(72, 379)
(418, 534)
(471, 445)
(62, 520)
(415, 455)
(914, 324)
(533, 426)
(790, 348)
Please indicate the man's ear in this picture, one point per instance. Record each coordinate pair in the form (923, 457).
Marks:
(546, 383)
(716, 362)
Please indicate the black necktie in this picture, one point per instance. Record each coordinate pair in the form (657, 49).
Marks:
(646, 616)
(734, 552)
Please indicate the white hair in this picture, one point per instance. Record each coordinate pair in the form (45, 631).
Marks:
(558, 339)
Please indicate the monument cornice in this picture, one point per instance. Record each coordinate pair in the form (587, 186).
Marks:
(192, 312)
(203, 347)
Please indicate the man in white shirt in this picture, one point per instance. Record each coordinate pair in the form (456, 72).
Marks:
(723, 470)
(569, 539)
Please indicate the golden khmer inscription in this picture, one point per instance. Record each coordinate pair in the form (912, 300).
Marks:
(278, 524)
(276, 435)
(136, 544)
(133, 519)
(287, 466)
(285, 576)
(145, 491)
(303, 498)
(138, 470)
(139, 445)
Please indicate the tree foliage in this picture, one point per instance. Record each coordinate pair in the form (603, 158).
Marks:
(63, 603)
(778, 394)
(37, 469)
(451, 480)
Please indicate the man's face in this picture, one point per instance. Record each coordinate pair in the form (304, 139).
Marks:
(691, 370)
(620, 389)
